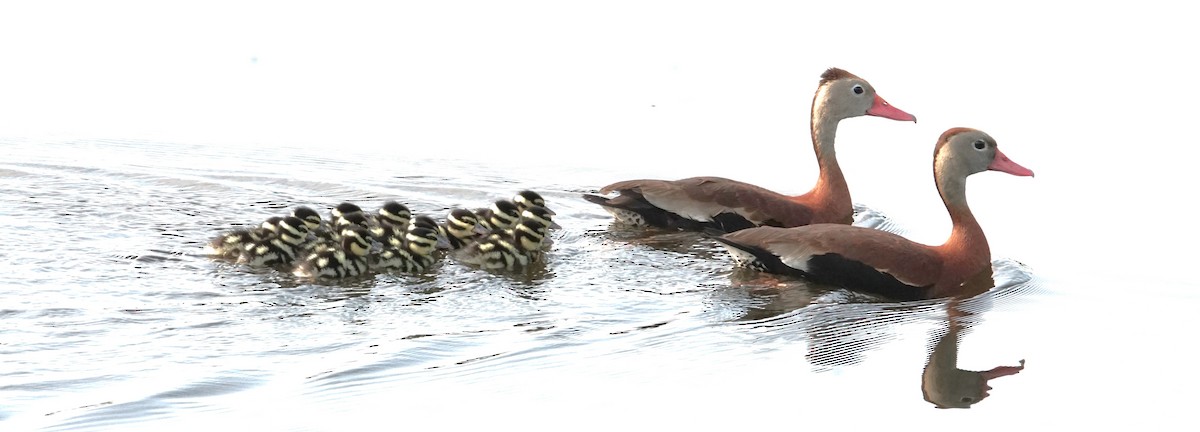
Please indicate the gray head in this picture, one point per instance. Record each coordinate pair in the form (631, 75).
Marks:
(842, 95)
(967, 151)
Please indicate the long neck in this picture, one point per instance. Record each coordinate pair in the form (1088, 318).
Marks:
(966, 252)
(830, 195)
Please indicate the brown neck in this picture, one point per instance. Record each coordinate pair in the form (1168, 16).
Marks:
(966, 253)
(830, 197)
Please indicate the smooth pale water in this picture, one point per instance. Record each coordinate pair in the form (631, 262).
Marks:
(111, 319)
(132, 132)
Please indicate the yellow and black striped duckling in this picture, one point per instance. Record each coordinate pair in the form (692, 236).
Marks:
(461, 227)
(527, 198)
(310, 217)
(281, 249)
(272, 223)
(394, 214)
(332, 238)
(540, 214)
(512, 251)
(229, 244)
(390, 223)
(320, 230)
(413, 255)
(352, 219)
(341, 210)
(423, 221)
(502, 215)
(348, 260)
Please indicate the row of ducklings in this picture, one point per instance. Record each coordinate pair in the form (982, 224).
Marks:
(509, 235)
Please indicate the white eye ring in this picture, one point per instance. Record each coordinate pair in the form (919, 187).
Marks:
(858, 89)
(980, 145)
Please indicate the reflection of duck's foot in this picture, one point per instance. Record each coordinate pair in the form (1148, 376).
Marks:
(1000, 371)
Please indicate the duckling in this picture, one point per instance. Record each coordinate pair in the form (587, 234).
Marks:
(280, 249)
(540, 214)
(460, 227)
(332, 238)
(513, 251)
(341, 210)
(311, 218)
(527, 198)
(544, 216)
(229, 244)
(414, 255)
(423, 221)
(395, 214)
(502, 215)
(353, 219)
(320, 230)
(390, 224)
(271, 224)
(349, 260)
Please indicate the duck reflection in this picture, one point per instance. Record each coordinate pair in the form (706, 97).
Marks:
(840, 327)
(942, 382)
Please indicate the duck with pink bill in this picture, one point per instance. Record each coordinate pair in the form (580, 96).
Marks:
(876, 261)
(721, 205)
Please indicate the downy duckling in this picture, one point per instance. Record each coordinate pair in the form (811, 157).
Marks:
(540, 214)
(413, 255)
(229, 244)
(341, 210)
(423, 221)
(460, 227)
(394, 214)
(348, 260)
(390, 223)
(321, 231)
(272, 224)
(353, 219)
(527, 198)
(502, 215)
(513, 251)
(311, 218)
(281, 249)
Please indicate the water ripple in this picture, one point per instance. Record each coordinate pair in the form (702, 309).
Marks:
(126, 326)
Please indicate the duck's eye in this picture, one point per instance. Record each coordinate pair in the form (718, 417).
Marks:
(980, 145)
(858, 89)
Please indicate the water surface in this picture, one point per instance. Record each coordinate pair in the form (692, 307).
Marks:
(112, 319)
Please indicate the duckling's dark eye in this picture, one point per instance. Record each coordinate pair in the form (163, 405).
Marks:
(980, 145)
(858, 89)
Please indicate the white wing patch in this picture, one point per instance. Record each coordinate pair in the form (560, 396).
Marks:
(740, 257)
(796, 257)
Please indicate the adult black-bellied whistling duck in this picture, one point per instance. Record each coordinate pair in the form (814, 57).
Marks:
(881, 262)
(723, 205)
